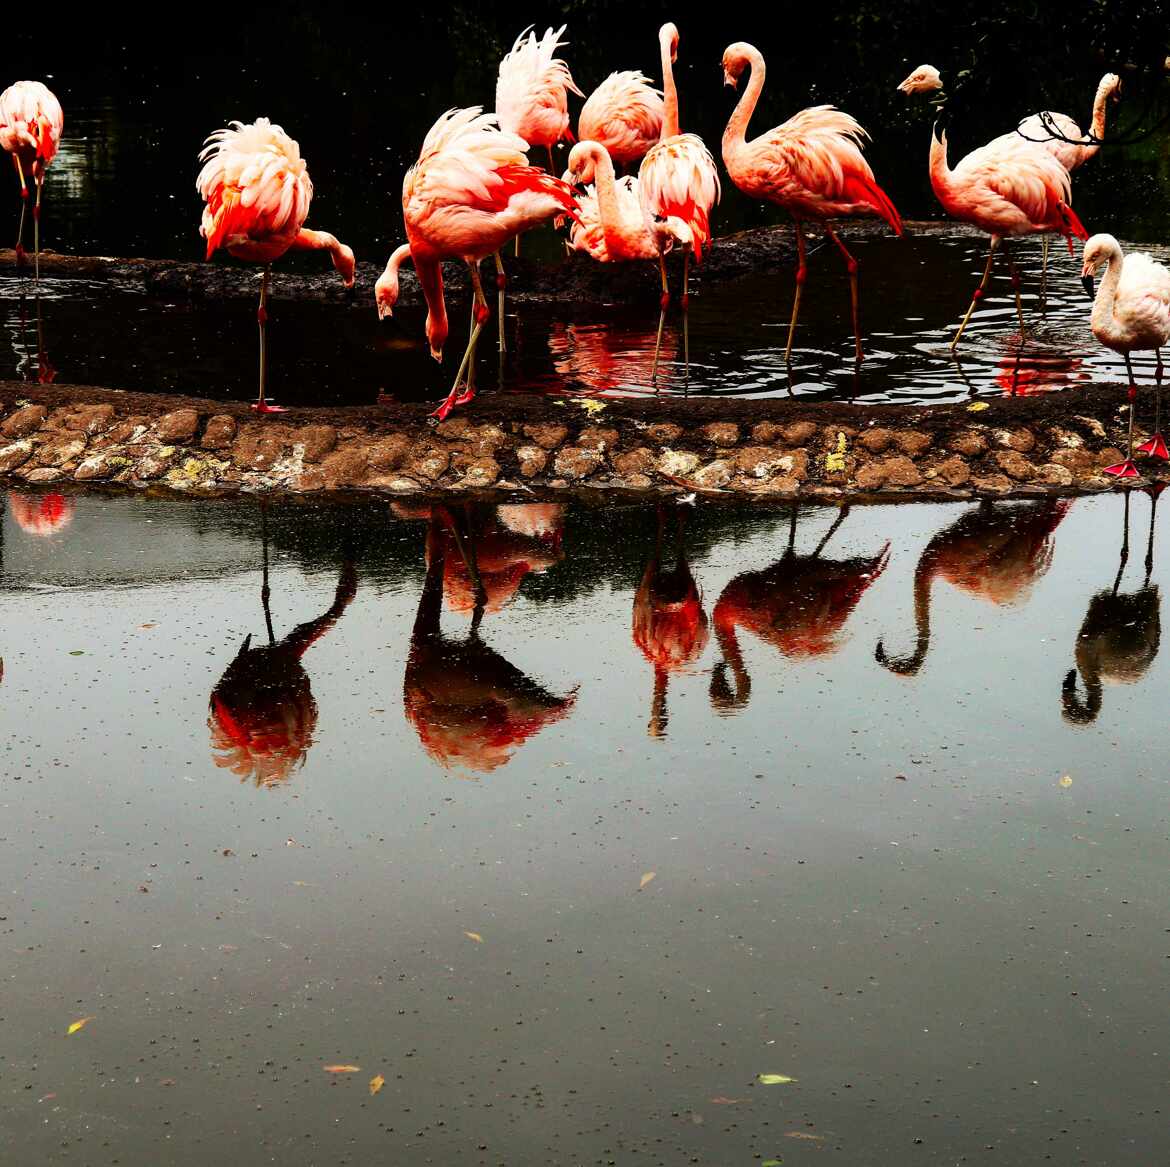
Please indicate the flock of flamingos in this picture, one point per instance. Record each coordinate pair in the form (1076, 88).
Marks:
(473, 191)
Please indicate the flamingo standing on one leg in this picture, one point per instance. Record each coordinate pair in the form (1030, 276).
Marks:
(624, 113)
(677, 179)
(812, 165)
(1131, 312)
(257, 190)
(30, 130)
(1007, 187)
(470, 191)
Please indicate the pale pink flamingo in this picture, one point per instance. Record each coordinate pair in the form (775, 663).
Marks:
(470, 191)
(257, 191)
(30, 130)
(677, 180)
(624, 113)
(1007, 187)
(811, 165)
(532, 99)
(1131, 312)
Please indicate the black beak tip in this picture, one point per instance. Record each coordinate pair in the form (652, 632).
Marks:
(1087, 284)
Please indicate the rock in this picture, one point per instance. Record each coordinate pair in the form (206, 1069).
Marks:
(794, 464)
(177, 427)
(597, 438)
(98, 466)
(24, 421)
(547, 435)
(970, 444)
(1059, 436)
(387, 453)
(1092, 425)
(91, 419)
(897, 471)
(573, 463)
(1054, 475)
(1021, 440)
(662, 433)
(992, 484)
(780, 485)
(760, 461)
(714, 475)
(60, 450)
(455, 428)
(639, 461)
(876, 440)
(768, 432)
(219, 433)
(913, 442)
(129, 429)
(476, 471)
(486, 439)
(348, 466)
(43, 475)
(871, 476)
(677, 463)
(532, 460)
(316, 440)
(155, 464)
(637, 481)
(309, 480)
(1109, 456)
(720, 433)
(14, 455)
(1015, 465)
(1077, 460)
(954, 471)
(259, 449)
(799, 432)
(427, 461)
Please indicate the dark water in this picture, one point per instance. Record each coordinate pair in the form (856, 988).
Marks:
(416, 841)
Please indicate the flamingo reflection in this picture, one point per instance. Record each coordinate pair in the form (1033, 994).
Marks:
(1028, 372)
(603, 358)
(798, 605)
(263, 714)
(670, 626)
(994, 553)
(40, 514)
(1120, 635)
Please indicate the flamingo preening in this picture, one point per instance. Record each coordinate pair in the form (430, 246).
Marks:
(1131, 312)
(811, 165)
(624, 114)
(677, 180)
(1008, 187)
(1120, 635)
(257, 191)
(470, 191)
(798, 605)
(30, 130)
(992, 553)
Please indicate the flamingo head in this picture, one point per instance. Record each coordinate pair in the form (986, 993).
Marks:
(1111, 85)
(386, 289)
(343, 261)
(582, 163)
(735, 59)
(924, 79)
(668, 39)
(1099, 250)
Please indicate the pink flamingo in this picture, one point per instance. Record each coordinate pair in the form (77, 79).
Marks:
(1131, 312)
(532, 98)
(624, 113)
(30, 130)
(257, 191)
(812, 165)
(1008, 187)
(677, 180)
(470, 191)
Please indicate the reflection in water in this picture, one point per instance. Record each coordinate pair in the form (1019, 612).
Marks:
(670, 626)
(798, 605)
(1029, 372)
(994, 552)
(468, 705)
(610, 357)
(40, 514)
(28, 342)
(262, 710)
(1119, 638)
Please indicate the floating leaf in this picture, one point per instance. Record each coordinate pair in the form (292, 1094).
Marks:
(343, 1069)
(474, 936)
(977, 407)
(78, 652)
(81, 1023)
(147, 625)
(646, 879)
(376, 1083)
(775, 1079)
(1066, 782)
(590, 406)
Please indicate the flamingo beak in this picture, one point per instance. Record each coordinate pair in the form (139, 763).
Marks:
(1087, 284)
(728, 79)
(385, 311)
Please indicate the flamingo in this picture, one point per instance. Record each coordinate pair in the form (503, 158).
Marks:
(1008, 187)
(624, 114)
(677, 179)
(994, 554)
(470, 191)
(1119, 638)
(257, 191)
(1131, 312)
(30, 130)
(811, 165)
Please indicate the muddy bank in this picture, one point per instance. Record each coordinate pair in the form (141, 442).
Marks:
(578, 278)
(50, 436)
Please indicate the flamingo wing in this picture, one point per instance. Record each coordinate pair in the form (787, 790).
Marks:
(678, 179)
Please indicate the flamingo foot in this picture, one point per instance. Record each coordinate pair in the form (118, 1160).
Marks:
(1124, 469)
(266, 406)
(1156, 448)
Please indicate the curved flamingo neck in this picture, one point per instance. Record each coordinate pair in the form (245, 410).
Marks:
(666, 42)
(1103, 321)
(940, 172)
(1097, 127)
(604, 182)
(735, 136)
(430, 277)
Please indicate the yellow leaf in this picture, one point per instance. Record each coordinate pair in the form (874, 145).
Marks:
(646, 879)
(343, 1069)
(590, 406)
(376, 1083)
(1066, 782)
(977, 407)
(474, 936)
(79, 1024)
(775, 1079)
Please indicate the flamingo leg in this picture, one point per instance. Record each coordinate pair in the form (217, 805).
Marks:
(663, 301)
(1015, 274)
(40, 179)
(978, 293)
(480, 315)
(1156, 446)
(851, 266)
(686, 330)
(261, 404)
(801, 275)
(1127, 469)
(501, 284)
(23, 208)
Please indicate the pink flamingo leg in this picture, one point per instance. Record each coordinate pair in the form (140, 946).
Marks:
(851, 266)
(663, 302)
(261, 404)
(463, 392)
(978, 293)
(801, 276)
(1156, 446)
(1127, 469)
(23, 206)
(40, 178)
(686, 330)
(501, 284)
